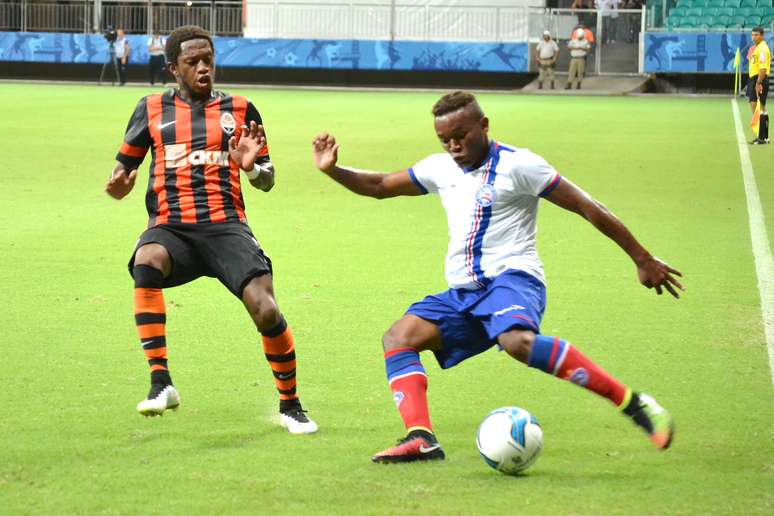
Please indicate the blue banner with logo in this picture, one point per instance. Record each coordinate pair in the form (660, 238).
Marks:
(46, 47)
(696, 52)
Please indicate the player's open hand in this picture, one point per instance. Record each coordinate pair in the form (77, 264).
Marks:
(325, 152)
(251, 142)
(654, 273)
(120, 183)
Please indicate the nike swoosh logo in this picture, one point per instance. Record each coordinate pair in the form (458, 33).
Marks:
(283, 376)
(161, 126)
(428, 449)
(146, 342)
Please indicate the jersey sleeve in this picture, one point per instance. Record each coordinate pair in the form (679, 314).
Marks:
(423, 174)
(252, 115)
(535, 176)
(137, 139)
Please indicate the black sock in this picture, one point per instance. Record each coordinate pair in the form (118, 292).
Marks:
(763, 132)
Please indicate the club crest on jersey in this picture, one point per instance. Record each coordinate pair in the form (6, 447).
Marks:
(227, 123)
(486, 196)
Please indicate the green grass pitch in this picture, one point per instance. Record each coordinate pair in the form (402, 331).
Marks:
(346, 267)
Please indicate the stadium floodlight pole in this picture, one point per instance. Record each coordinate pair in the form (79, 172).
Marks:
(97, 24)
(392, 20)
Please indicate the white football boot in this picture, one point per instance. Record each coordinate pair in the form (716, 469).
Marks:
(296, 421)
(159, 400)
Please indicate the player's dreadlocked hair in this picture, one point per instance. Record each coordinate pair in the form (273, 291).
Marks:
(451, 102)
(179, 36)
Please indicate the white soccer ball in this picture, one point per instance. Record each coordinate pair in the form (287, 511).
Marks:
(510, 440)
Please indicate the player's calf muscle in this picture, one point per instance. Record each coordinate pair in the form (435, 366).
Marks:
(517, 343)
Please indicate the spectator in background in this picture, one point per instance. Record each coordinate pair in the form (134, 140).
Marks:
(579, 48)
(584, 18)
(156, 64)
(588, 35)
(632, 22)
(547, 52)
(122, 55)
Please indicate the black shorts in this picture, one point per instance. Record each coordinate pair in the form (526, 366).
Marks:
(752, 95)
(225, 250)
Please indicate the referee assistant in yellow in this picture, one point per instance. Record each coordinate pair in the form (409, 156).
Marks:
(758, 86)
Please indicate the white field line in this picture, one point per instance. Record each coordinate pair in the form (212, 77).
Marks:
(764, 263)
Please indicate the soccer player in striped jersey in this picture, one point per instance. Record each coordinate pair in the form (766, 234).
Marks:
(490, 192)
(199, 140)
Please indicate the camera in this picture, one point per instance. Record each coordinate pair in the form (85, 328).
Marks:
(110, 34)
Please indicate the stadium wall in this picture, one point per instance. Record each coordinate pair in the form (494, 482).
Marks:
(695, 52)
(284, 61)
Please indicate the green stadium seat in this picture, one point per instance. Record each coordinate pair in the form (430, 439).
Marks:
(764, 3)
(686, 22)
(709, 11)
(745, 12)
(752, 21)
(694, 11)
(726, 11)
(705, 21)
(715, 3)
(748, 3)
(731, 3)
(720, 22)
(678, 12)
(685, 3)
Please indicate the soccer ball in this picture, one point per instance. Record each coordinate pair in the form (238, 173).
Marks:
(510, 440)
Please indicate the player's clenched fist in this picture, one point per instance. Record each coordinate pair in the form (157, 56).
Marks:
(325, 152)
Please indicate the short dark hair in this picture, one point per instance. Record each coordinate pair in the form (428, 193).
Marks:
(179, 36)
(758, 29)
(454, 101)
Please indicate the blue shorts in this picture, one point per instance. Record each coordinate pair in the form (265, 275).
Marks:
(471, 320)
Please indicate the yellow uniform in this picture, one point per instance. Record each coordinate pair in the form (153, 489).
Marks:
(760, 58)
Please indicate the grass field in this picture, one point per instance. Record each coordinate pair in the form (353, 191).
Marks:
(346, 267)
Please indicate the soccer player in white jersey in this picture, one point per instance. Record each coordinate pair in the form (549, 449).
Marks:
(497, 289)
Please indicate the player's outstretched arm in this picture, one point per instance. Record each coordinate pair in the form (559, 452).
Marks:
(121, 182)
(246, 151)
(652, 272)
(325, 152)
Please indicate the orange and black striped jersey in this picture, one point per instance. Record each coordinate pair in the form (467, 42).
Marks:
(192, 179)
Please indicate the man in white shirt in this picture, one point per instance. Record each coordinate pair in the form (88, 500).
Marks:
(579, 48)
(490, 192)
(156, 64)
(547, 52)
(122, 55)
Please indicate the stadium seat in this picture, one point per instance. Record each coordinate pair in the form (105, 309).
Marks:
(709, 11)
(715, 3)
(764, 3)
(694, 11)
(685, 3)
(726, 11)
(748, 3)
(720, 22)
(686, 22)
(705, 21)
(752, 21)
(745, 11)
(736, 21)
(731, 3)
(678, 12)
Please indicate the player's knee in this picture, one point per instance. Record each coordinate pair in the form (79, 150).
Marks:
(154, 255)
(399, 338)
(265, 314)
(518, 344)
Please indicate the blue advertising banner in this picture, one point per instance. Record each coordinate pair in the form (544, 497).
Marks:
(46, 47)
(696, 52)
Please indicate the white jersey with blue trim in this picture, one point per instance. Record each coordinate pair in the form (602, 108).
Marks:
(491, 211)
